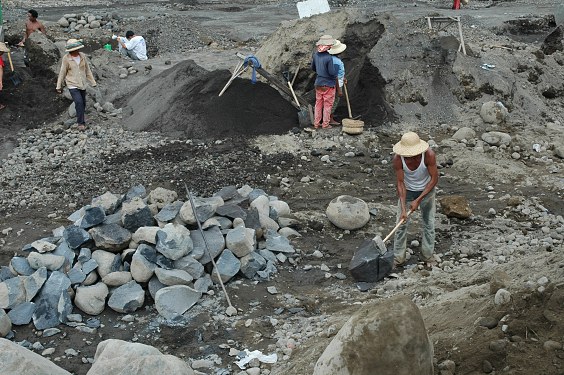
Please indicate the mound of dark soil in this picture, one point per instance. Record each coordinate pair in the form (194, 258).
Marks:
(184, 101)
(31, 103)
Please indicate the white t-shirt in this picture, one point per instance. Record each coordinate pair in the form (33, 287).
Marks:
(137, 45)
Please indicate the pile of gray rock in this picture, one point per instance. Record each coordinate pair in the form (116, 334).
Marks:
(121, 246)
(75, 22)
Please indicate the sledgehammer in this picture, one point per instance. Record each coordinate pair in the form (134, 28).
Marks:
(381, 243)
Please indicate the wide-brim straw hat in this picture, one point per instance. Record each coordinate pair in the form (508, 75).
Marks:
(325, 40)
(4, 48)
(337, 48)
(410, 145)
(73, 45)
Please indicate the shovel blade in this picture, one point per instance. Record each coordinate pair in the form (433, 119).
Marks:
(16, 79)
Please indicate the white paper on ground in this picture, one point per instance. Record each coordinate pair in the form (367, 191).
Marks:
(272, 358)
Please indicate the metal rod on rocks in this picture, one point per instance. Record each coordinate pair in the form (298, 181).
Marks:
(230, 311)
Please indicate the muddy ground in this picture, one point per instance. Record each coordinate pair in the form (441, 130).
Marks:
(452, 302)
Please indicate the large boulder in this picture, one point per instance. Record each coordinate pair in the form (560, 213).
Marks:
(125, 358)
(384, 338)
(5, 323)
(493, 112)
(42, 52)
(17, 360)
(348, 212)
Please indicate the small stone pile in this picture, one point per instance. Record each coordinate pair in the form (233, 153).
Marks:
(75, 22)
(119, 246)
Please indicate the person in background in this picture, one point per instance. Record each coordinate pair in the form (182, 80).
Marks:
(417, 175)
(75, 72)
(32, 24)
(325, 82)
(3, 49)
(133, 46)
(335, 51)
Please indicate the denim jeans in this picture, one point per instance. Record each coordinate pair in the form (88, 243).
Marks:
(427, 207)
(127, 52)
(79, 99)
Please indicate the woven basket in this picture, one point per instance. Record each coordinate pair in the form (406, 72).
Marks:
(350, 123)
(352, 131)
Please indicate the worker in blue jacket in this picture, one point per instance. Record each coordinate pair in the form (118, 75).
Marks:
(325, 82)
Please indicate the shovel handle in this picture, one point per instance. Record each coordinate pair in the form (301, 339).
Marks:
(293, 93)
(347, 98)
(10, 60)
(397, 226)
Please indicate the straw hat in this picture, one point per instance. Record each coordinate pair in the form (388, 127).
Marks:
(410, 145)
(73, 45)
(325, 40)
(337, 48)
(4, 48)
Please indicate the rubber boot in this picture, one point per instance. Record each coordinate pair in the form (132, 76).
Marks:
(456, 4)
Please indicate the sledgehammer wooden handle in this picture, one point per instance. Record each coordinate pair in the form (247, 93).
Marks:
(397, 226)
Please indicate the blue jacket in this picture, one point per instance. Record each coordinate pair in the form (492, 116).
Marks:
(322, 64)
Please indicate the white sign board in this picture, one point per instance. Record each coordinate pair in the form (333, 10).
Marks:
(309, 8)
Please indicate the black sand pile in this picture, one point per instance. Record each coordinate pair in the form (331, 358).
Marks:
(184, 101)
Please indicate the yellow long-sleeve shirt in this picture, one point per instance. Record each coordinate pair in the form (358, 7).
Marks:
(73, 74)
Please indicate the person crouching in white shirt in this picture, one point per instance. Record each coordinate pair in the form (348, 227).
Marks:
(132, 46)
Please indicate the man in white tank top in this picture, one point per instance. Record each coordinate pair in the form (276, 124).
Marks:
(416, 175)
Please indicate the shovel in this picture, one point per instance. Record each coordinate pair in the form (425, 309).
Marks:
(304, 117)
(14, 76)
(381, 243)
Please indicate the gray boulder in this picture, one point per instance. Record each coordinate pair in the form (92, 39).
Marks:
(173, 277)
(92, 217)
(91, 299)
(241, 241)
(464, 133)
(215, 241)
(50, 261)
(251, 264)
(227, 265)
(5, 323)
(173, 241)
(17, 360)
(108, 202)
(127, 298)
(135, 214)
(22, 313)
(33, 283)
(278, 243)
(20, 265)
(110, 237)
(53, 302)
(393, 339)
(190, 265)
(496, 138)
(493, 112)
(12, 292)
(348, 212)
(124, 358)
(169, 212)
(75, 236)
(175, 300)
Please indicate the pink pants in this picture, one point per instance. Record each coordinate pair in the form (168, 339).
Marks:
(324, 97)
